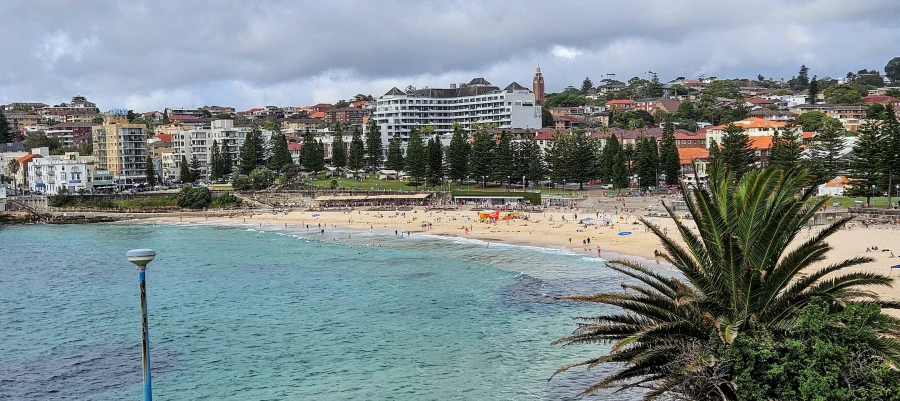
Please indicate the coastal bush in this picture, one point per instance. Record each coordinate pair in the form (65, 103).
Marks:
(226, 200)
(194, 198)
(240, 182)
(262, 178)
(742, 279)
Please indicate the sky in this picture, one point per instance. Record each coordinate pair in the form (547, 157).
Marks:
(149, 55)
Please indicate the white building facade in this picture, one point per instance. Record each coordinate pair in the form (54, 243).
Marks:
(478, 102)
(69, 171)
(198, 142)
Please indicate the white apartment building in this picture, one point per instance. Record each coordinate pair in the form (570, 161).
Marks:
(197, 141)
(478, 102)
(50, 173)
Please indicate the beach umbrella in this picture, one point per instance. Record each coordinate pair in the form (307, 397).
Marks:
(892, 269)
(587, 219)
(315, 215)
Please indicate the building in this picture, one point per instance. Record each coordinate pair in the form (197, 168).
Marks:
(121, 149)
(197, 142)
(693, 165)
(567, 122)
(834, 187)
(537, 86)
(753, 126)
(478, 102)
(71, 134)
(79, 110)
(69, 172)
(688, 140)
(351, 115)
(197, 113)
(621, 104)
(773, 115)
(882, 100)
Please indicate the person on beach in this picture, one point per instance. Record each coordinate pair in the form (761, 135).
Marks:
(598, 251)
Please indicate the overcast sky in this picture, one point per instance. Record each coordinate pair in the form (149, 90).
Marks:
(147, 55)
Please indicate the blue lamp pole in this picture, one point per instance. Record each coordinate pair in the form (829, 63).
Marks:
(142, 257)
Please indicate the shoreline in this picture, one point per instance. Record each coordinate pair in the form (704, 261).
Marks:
(549, 230)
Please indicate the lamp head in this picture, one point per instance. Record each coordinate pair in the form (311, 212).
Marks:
(140, 257)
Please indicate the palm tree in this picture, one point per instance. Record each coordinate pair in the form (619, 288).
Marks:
(13, 167)
(741, 272)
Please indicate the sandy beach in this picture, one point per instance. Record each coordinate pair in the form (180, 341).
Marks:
(562, 229)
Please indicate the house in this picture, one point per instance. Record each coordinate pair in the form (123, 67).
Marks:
(294, 149)
(621, 104)
(834, 187)
(753, 126)
(687, 139)
(388, 175)
(24, 163)
(773, 115)
(69, 173)
(761, 145)
(841, 111)
(759, 102)
(693, 165)
(566, 122)
(882, 100)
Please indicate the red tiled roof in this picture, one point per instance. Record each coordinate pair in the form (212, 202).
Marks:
(181, 117)
(808, 134)
(294, 146)
(682, 134)
(758, 101)
(27, 158)
(621, 101)
(567, 118)
(760, 142)
(164, 137)
(880, 99)
(688, 155)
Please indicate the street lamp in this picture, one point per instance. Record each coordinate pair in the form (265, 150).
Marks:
(141, 258)
(508, 183)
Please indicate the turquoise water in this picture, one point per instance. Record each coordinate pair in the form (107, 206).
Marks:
(272, 313)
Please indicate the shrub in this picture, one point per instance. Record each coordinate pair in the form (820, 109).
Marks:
(194, 198)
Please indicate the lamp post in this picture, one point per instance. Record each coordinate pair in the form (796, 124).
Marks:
(142, 257)
(508, 183)
(873, 197)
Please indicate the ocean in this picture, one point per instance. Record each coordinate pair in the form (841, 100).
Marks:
(247, 312)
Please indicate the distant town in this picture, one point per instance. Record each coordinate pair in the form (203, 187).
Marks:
(75, 147)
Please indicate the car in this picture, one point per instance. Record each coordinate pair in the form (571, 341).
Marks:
(606, 186)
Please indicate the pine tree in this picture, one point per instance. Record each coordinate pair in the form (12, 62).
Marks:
(813, 89)
(533, 159)
(825, 151)
(669, 160)
(865, 164)
(555, 157)
(394, 155)
(5, 131)
(503, 162)
(215, 162)
(458, 154)
(150, 171)
(195, 169)
(714, 152)
(184, 174)
(226, 162)
(281, 156)
(416, 158)
(312, 154)
(481, 157)
(614, 163)
(435, 158)
(260, 147)
(356, 156)
(647, 162)
(338, 151)
(580, 157)
(249, 155)
(785, 151)
(373, 144)
(736, 153)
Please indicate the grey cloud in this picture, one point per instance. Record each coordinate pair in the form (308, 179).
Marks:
(123, 49)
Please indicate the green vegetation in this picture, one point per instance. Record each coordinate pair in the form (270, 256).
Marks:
(756, 315)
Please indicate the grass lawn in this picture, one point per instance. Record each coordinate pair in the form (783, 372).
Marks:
(370, 182)
(845, 201)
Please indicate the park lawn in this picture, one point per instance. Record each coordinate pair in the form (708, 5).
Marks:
(879, 202)
(370, 182)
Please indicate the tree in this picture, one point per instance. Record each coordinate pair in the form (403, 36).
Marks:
(416, 157)
(587, 86)
(481, 157)
(614, 162)
(811, 120)
(394, 155)
(338, 151)
(546, 117)
(215, 162)
(581, 157)
(785, 151)
(742, 276)
(458, 154)
(226, 162)
(865, 164)
(825, 151)
(150, 171)
(842, 94)
(205, 113)
(280, 155)
(647, 159)
(803, 78)
(312, 155)
(373, 144)
(533, 167)
(736, 153)
(669, 160)
(39, 139)
(252, 152)
(5, 131)
(875, 111)
(892, 69)
(435, 158)
(195, 169)
(555, 157)
(262, 178)
(504, 158)
(813, 89)
(184, 174)
(356, 155)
